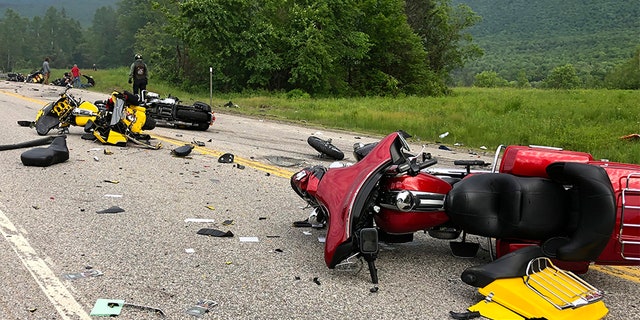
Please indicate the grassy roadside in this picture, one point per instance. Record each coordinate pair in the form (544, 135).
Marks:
(583, 120)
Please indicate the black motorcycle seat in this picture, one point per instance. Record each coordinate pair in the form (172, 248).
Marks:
(511, 265)
(502, 205)
(56, 152)
(576, 202)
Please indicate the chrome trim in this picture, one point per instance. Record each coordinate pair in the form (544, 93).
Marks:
(420, 201)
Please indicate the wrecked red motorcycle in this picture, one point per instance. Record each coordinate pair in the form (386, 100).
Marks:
(576, 209)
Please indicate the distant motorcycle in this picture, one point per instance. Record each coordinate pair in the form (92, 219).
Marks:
(170, 112)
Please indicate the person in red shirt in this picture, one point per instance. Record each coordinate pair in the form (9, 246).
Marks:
(75, 73)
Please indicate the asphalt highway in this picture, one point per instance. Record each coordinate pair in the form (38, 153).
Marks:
(59, 257)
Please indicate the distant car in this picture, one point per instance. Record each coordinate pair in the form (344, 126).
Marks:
(170, 112)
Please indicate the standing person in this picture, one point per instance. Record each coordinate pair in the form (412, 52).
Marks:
(138, 75)
(75, 73)
(95, 68)
(46, 71)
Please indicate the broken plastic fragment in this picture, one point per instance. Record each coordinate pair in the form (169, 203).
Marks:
(249, 239)
(210, 207)
(227, 222)
(214, 233)
(202, 307)
(226, 158)
(114, 209)
(198, 220)
(112, 181)
(107, 308)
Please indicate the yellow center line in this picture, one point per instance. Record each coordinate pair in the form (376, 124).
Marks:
(274, 170)
(631, 273)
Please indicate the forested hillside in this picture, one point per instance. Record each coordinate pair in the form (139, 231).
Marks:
(81, 10)
(536, 36)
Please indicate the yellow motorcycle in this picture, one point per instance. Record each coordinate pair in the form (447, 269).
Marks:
(121, 120)
(62, 113)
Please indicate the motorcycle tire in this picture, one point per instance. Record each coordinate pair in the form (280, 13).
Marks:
(325, 148)
(192, 115)
(203, 126)
(149, 124)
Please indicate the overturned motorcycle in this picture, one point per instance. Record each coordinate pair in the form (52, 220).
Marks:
(121, 120)
(575, 209)
(62, 113)
(171, 112)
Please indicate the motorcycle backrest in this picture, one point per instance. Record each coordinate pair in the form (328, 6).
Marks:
(532, 161)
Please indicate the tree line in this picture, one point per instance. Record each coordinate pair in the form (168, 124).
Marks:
(320, 47)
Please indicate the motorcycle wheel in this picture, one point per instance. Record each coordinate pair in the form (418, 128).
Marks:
(149, 124)
(325, 147)
(202, 126)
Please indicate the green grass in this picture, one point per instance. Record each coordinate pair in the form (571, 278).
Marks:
(583, 120)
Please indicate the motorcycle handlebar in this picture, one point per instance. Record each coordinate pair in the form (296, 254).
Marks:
(413, 168)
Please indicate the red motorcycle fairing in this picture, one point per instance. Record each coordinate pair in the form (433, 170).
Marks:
(343, 193)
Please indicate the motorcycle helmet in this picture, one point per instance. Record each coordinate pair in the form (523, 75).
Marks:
(138, 57)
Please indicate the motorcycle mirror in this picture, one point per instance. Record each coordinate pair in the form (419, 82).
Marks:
(369, 241)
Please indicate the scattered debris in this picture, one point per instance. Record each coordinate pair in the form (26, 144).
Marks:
(226, 158)
(198, 220)
(113, 195)
(443, 147)
(107, 308)
(182, 151)
(80, 275)
(114, 209)
(633, 136)
(231, 105)
(202, 307)
(107, 152)
(322, 239)
(215, 233)
(189, 250)
(249, 239)
(444, 135)
(112, 181)
(315, 279)
(483, 148)
(227, 222)
(210, 207)
(113, 307)
(239, 166)
(198, 143)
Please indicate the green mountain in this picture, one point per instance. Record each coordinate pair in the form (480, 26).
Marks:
(81, 10)
(536, 36)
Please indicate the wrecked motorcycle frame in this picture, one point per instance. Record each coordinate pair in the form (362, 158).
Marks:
(577, 209)
(64, 112)
(121, 120)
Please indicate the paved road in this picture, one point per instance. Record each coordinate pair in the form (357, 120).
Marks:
(151, 255)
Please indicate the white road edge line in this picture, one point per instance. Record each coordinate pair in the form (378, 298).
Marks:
(51, 286)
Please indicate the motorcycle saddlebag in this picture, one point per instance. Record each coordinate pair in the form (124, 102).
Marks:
(57, 152)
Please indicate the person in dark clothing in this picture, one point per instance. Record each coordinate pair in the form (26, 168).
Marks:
(138, 75)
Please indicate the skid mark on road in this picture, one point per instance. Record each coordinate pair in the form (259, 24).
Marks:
(51, 286)
(276, 171)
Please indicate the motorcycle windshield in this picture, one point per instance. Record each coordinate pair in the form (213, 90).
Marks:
(344, 193)
(118, 112)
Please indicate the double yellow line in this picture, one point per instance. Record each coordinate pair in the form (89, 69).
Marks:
(276, 171)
